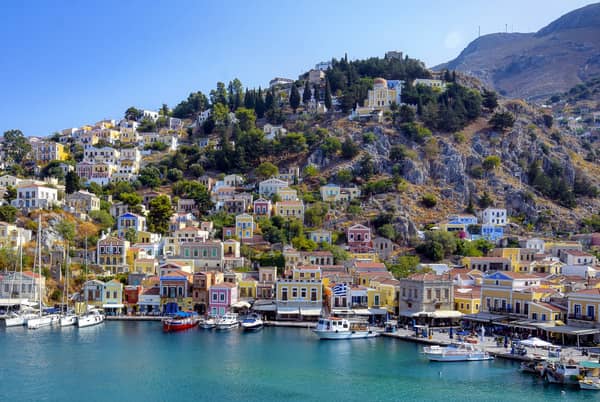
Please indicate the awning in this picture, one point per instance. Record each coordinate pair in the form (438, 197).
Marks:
(378, 311)
(589, 364)
(287, 310)
(362, 311)
(261, 305)
(408, 313)
(149, 303)
(484, 317)
(310, 311)
(446, 314)
(241, 304)
(342, 311)
(569, 330)
(113, 305)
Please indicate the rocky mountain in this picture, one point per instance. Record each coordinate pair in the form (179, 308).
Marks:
(535, 65)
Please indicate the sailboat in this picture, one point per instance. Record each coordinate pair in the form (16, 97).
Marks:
(20, 318)
(41, 320)
(68, 318)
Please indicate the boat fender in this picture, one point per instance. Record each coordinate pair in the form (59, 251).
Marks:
(336, 331)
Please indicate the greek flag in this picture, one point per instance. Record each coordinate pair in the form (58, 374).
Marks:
(340, 289)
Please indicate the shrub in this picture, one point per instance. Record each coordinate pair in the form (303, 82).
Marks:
(429, 200)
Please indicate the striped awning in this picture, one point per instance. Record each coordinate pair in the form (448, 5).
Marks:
(310, 311)
(288, 310)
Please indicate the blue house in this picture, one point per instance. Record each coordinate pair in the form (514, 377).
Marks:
(462, 219)
(128, 221)
(492, 232)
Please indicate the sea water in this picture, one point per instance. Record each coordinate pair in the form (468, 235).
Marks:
(136, 361)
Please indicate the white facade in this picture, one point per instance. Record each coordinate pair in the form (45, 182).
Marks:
(494, 216)
(267, 188)
(35, 196)
(536, 244)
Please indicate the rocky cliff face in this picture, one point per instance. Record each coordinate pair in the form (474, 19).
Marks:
(532, 65)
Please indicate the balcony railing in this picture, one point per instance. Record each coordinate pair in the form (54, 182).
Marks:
(506, 310)
(580, 317)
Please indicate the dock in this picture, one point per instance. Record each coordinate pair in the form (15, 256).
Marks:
(133, 318)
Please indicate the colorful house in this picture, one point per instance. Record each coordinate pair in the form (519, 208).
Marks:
(262, 207)
(128, 221)
(175, 286)
(486, 264)
(467, 299)
(200, 289)
(320, 236)
(584, 308)
(112, 255)
(112, 302)
(520, 258)
(244, 226)
(300, 295)
(222, 296)
(290, 209)
(359, 238)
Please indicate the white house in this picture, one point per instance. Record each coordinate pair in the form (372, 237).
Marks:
(35, 196)
(267, 188)
(149, 114)
(583, 271)
(537, 244)
(494, 216)
(576, 257)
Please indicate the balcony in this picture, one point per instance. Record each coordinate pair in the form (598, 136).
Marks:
(580, 317)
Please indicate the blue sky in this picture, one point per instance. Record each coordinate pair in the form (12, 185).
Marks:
(67, 63)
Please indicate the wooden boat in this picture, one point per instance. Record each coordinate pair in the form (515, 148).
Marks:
(180, 322)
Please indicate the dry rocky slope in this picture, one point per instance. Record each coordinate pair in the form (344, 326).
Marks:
(535, 65)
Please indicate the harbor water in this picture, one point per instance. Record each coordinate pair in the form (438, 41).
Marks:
(136, 361)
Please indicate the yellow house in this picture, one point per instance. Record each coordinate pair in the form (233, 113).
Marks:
(247, 288)
(300, 295)
(467, 299)
(373, 298)
(128, 135)
(244, 226)
(583, 307)
(46, 151)
(452, 227)
(485, 264)
(290, 209)
(520, 258)
(287, 194)
(365, 257)
(518, 294)
(145, 265)
(388, 291)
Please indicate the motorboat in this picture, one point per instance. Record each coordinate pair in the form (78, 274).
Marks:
(43, 321)
(92, 317)
(68, 320)
(340, 328)
(557, 372)
(227, 322)
(208, 323)
(535, 366)
(180, 322)
(252, 323)
(590, 383)
(456, 352)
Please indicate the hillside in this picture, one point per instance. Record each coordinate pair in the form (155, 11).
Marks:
(534, 65)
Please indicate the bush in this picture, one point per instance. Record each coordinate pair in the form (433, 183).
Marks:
(369, 138)
(429, 200)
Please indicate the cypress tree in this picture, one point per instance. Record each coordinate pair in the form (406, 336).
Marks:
(316, 93)
(307, 94)
(270, 100)
(259, 103)
(327, 95)
(294, 98)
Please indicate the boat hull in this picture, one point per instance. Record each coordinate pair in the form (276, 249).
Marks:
(589, 385)
(252, 327)
(83, 322)
(68, 320)
(178, 326)
(332, 335)
(44, 321)
(226, 327)
(460, 358)
(15, 321)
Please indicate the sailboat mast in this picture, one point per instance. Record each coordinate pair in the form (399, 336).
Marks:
(39, 256)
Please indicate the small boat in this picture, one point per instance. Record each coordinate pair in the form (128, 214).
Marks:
(180, 322)
(68, 319)
(341, 328)
(590, 383)
(92, 317)
(561, 373)
(208, 323)
(252, 323)
(535, 366)
(43, 321)
(456, 352)
(227, 322)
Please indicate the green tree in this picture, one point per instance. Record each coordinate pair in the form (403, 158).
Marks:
(16, 146)
(132, 113)
(174, 174)
(490, 100)
(72, 182)
(159, 214)
(150, 177)
(306, 95)
(491, 163)
(485, 200)
(131, 235)
(331, 146)
(246, 118)
(294, 98)
(328, 100)
(8, 213)
(102, 219)
(349, 148)
(220, 114)
(147, 126)
(405, 266)
(10, 194)
(266, 170)
(429, 200)
(502, 121)
(195, 191)
(66, 229)
(387, 231)
(344, 176)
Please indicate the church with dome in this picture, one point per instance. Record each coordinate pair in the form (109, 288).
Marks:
(380, 98)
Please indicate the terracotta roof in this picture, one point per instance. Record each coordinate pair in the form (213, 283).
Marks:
(369, 265)
(473, 292)
(550, 306)
(428, 277)
(593, 291)
(523, 275)
(578, 253)
(155, 290)
(223, 285)
(488, 259)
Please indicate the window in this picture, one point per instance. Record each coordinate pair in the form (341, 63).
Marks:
(438, 294)
(403, 292)
(313, 294)
(294, 293)
(222, 296)
(590, 311)
(115, 294)
(428, 294)
(284, 294)
(214, 296)
(303, 293)
(107, 294)
(446, 294)
(376, 300)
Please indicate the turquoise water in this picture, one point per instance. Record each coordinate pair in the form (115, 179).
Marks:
(136, 361)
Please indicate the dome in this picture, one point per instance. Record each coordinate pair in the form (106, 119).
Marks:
(380, 82)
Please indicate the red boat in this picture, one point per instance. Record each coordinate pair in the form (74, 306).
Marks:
(180, 322)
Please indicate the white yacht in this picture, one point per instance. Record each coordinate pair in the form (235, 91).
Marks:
(227, 322)
(252, 323)
(341, 328)
(208, 323)
(43, 321)
(456, 352)
(68, 319)
(557, 372)
(92, 317)
(19, 319)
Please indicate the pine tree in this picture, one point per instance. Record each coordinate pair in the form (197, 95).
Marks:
(249, 99)
(316, 94)
(327, 95)
(307, 94)
(270, 100)
(294, 98)
(72, 182)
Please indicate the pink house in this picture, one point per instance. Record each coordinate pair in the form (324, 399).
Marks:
(262, 207)
(221, 297)
(359, 238)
